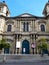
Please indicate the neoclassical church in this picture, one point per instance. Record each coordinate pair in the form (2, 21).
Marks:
(23, 32)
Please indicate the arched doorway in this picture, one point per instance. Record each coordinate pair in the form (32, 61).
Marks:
(6, 50)
(25, 47)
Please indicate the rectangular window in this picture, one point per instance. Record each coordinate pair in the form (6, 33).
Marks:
(9, 28)
(26, 26)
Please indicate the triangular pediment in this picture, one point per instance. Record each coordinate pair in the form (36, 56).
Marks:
(26, 15)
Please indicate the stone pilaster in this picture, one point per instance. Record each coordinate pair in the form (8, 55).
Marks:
(31, 40)
(14, 44)
(33, 25)
(35, 37)
(20, 27)
(20, 43)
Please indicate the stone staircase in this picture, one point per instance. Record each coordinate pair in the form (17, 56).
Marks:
(23, 57)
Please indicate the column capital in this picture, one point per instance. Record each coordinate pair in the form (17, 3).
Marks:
(31, 36)
(20, 35)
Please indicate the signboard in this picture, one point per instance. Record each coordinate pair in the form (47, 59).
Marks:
(33, 45)
(18, 44)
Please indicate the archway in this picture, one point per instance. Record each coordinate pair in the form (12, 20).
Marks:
(6, 50)
(25, 47)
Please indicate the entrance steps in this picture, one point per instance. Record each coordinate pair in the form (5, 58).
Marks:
(23, 57)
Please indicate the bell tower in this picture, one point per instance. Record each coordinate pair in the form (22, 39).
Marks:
(46, 9)
(4, 9)
(4, 12)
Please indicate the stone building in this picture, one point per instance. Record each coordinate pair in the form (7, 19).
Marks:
(23, 30)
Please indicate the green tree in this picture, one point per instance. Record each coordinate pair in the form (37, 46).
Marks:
(4, 44)
(42, 45)
(7, 45)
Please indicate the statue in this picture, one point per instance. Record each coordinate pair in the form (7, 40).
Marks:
(47, 9)
(48, 0)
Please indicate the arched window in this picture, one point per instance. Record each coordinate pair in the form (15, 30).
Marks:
(42, 28)
(9, 28)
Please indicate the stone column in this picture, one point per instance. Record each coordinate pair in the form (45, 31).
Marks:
(33, 25)
(15, 40)
(16, 44)
(34, 42)
(20, 26)
(20, 42)
(31, 40)
(29, 26)
(35, 36)
(17, 37)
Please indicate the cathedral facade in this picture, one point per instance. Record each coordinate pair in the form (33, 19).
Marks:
(23, 30)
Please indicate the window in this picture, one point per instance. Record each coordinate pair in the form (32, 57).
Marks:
(26, 26)
(42, 27)
(9, 28)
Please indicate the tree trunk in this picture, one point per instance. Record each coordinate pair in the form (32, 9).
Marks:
(42, 53)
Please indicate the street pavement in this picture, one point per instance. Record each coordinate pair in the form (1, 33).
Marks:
(26, 63)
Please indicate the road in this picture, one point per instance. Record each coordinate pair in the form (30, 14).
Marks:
(26, 63)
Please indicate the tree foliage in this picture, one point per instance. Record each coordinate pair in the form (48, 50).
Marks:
(42, 44)
(4, 44)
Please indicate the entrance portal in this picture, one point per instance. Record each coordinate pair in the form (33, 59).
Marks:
(25, 47)
(6, 50)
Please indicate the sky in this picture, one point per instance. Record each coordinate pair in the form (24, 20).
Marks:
(17, 7)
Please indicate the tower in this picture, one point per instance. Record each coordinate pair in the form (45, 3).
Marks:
(46, 9)
(4, 9)
(4, 12)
